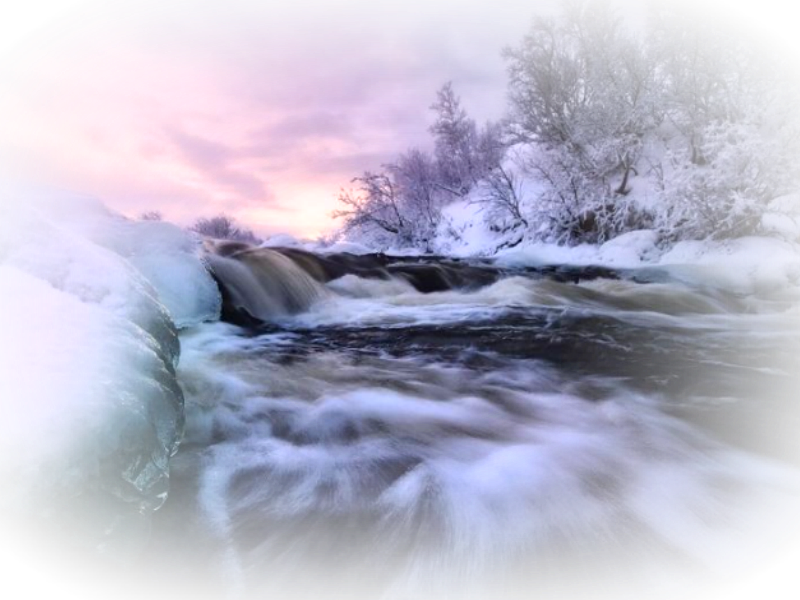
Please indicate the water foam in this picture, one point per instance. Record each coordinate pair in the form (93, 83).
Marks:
(418, 474)
(367, 302)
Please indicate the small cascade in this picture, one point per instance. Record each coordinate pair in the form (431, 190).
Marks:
(442, 277)
(262, 283)
(425, 274)
(328, 267)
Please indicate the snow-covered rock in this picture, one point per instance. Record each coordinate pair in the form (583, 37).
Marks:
(92, 412)
(92, 409)
(632, 249)
(348, 247)
(282, 240)
(749, 265)
(166, 255)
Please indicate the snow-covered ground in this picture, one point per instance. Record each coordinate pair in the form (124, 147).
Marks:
(745, 265)
(89, 304)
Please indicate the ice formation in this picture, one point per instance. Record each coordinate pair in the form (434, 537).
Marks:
(89, 304)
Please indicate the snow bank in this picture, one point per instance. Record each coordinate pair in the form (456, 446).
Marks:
(748, 265)
(783, 217)
(74, 265)
(91, 406)
(348, 247)
(91, 413)
(463, 231)
(629, 250)
(168, 256)
(285, 240)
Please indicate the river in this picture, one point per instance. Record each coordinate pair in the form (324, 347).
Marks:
(428, 428)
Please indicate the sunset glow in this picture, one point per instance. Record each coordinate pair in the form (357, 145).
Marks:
(256, 110)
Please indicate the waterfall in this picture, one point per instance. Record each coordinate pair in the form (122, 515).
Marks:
(262, 282)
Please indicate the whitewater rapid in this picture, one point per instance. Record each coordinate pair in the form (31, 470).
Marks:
(187, 417)
(611, 437)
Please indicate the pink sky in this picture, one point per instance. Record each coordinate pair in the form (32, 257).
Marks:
(261, 110)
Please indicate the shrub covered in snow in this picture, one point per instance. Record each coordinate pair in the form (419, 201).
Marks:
(223, 227)
(402, 205)
(672, 127)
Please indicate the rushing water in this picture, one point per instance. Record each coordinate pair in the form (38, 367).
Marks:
(440, 430)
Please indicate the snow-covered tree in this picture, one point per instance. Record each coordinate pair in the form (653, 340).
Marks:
(745, 165)
(674, 126)
(398, 207)
(373, 211)
(454, 135)
(416, 176)
(703, 75)
(545, 88)
(582, 90)
(464, 154)
(697, 119)
(402, 205)
(731, 130)
(151, 215)
(577, 79)
(224, 227)
(570, 206)
(502, 193)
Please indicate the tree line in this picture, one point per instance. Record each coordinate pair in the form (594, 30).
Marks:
(672, 127)
(402, 204)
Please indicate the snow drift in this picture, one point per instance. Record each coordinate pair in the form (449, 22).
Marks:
(89, 304)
